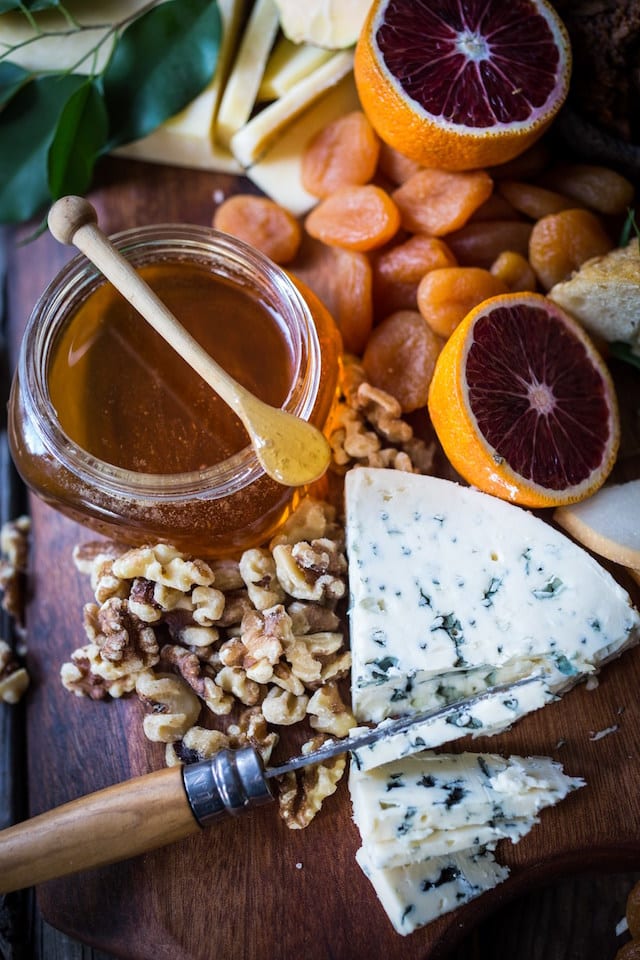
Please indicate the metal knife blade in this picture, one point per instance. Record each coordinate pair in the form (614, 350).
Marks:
(333, 748)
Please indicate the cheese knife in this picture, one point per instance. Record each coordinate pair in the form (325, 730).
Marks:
(160, 808)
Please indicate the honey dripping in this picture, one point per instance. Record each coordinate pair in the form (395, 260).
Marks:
(124, 395)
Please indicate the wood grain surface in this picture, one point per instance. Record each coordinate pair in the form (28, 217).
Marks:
(250, 889)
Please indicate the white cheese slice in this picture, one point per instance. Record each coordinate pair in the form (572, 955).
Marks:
(424, 800)
(414, 895)
(447, 581)
(607, 523)
(487, 717)
(278, 172)
(251, 141)
(442, 843)
(188, 140)
(289, 62)
(241, 89)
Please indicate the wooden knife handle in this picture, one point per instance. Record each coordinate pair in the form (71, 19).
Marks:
(104, 827)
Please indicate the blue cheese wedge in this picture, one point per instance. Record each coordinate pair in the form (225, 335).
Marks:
(432, 804)
(452, 588)
(415, 894)
(485, 718)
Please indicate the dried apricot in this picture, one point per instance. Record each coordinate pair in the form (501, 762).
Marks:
(629, 951)
(439, 201)
(526, 165)
(598, 188)
(514, 270)
(496, 207)
(478, 244)
(533, 201)
(342, 279)
(261, 222)
(446, 295)
(397, 271)
(562, 242)
(400, 358)
(394, 165)
(356, 218)
(632, 911)
(343, 153)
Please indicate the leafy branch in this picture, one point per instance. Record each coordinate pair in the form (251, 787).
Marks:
(54, 126)
(74, 29)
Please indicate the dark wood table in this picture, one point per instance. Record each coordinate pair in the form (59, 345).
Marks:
(236, 892)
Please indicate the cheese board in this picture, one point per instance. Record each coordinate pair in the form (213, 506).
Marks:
(250, 887)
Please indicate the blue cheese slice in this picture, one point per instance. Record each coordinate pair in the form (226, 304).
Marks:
(452, 587)
(493, 715)
(432, 804)
(442, 843)
(415, 894)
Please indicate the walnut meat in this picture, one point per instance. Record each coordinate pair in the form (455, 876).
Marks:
(197, 744)
(311, 520)
(252, 730)
(328, 713)
(367, 428)
(14, 678)
(197, 676)
(163, 564)
(283, 708)
(175, 708)
(312, 571)
(258, 570)
(14, 550)
(123, 641)
(301, 793)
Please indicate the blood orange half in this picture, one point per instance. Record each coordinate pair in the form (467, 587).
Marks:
(523, 403)
(459, 84)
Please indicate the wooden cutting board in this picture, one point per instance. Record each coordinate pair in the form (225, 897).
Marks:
(250, 889)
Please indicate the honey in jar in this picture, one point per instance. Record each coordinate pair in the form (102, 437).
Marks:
(110, 425)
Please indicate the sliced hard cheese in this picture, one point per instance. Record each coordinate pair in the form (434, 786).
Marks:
(289, 62)
(485, 718)
(277, 173)
(252, 140)
(447, 581)
(242, 86)
(431, 804)
(187, 140)
(414, 895)
(607, 523)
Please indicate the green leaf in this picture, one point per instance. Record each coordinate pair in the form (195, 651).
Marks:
(78, 141)
(27, 128)
(12, 77)
(629, 228)
(159, 65)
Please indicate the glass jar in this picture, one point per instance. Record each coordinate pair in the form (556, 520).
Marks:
(217, 509)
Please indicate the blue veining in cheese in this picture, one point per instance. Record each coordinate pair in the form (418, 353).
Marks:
(430, 823)
(485, 718)
(431, 804)
(415, 894)
(451, 587)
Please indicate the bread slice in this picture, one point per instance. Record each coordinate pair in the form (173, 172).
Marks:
(608, 523)
(604, 295)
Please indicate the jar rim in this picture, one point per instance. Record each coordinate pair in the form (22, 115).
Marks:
(79, 278)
